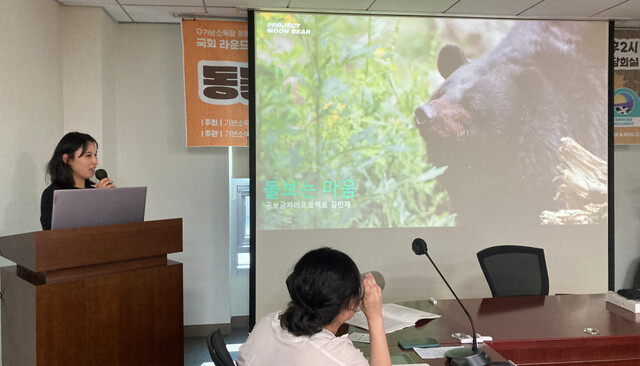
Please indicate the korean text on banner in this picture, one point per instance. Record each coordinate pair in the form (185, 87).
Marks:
(216, 80)
(626, 84)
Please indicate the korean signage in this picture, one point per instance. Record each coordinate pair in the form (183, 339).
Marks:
(216, 79)
(626, 85)
(302, 194)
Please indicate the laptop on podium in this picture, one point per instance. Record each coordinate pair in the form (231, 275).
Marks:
(74, 208)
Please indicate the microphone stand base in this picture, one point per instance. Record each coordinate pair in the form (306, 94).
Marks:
(467, 357)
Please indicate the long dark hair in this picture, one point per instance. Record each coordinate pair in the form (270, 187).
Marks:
(60, 172)
(323, 282)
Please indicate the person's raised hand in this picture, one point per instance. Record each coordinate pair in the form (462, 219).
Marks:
(371, 303)
(371, 306)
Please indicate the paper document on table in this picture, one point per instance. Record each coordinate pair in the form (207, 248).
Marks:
(479, 339)
(359, 337)
(395, 317)
(432, 352)
(403, 359)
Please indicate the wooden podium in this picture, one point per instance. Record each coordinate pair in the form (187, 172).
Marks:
(104, 295)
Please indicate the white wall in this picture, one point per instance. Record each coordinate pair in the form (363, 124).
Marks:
(187, 183)
(82, 70)
(89, 75)
(30, 107)
(627, 216)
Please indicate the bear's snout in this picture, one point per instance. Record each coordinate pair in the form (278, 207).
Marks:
(442, 118)
(423, 114)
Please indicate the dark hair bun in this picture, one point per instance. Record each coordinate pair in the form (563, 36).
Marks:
(323, 283)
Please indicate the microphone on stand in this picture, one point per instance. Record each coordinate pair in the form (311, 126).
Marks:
(460, 356)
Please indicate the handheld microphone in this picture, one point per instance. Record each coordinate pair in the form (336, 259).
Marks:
(101, 174)
(376, 276)
(459, 356)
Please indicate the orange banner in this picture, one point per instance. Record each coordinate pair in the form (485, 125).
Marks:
(216, 81)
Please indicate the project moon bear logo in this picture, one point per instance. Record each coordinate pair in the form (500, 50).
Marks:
(623, 103)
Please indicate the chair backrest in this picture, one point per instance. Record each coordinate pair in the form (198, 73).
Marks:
(514, 270)
(218, 349)
(636, 279)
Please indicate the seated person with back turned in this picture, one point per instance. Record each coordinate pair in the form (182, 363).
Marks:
(73, 162)
(325, 292)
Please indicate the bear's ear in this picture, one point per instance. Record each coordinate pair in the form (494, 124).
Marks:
(450, 58)
(531, 83)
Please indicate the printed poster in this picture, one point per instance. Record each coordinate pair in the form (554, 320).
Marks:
(626, 84)
(216, 79)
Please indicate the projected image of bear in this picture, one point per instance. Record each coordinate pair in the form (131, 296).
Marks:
(497, 122)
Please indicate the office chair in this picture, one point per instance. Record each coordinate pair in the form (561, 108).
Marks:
(218, 349)
(636, 279)
(514, 270)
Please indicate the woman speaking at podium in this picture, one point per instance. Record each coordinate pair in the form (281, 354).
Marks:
(325, 292)
(73, 163)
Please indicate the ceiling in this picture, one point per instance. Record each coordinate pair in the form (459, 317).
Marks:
(626, 13)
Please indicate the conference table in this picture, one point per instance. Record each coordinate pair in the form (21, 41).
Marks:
(532, 330)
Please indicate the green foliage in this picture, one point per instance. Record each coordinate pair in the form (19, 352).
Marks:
(338, 104)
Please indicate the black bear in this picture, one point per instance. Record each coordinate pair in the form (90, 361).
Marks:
(497, 122)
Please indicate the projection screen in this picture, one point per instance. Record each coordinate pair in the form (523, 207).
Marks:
(370, 131)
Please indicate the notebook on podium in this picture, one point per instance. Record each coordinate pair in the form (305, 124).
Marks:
(73, 208)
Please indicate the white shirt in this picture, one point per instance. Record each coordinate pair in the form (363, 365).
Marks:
(269, 344)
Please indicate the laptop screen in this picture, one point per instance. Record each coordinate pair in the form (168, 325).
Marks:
(73, 208)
